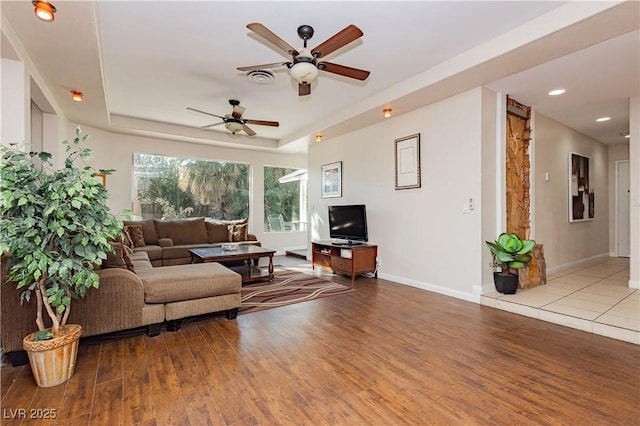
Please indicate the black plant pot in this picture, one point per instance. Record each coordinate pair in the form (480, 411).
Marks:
(506, 284)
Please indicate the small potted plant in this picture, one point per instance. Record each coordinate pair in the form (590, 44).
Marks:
(55, 227)
(509, 253)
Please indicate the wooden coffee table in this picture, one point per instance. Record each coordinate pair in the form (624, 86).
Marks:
(249, 270)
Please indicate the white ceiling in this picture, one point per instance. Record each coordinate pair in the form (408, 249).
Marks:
(141, 66)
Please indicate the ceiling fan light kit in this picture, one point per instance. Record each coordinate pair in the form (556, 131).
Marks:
(233, 126)
(305, 63)
(304, 72)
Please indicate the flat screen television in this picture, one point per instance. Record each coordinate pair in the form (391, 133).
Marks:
(348, 223)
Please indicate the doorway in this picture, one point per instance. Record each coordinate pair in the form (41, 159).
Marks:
(623, 232)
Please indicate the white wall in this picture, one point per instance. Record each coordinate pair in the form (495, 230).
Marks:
(567, 243)
(424, 239)
(115, 151)
(14, 104)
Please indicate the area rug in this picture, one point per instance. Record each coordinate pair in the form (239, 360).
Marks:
(288, 287)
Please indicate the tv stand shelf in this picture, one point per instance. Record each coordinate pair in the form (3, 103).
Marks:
(348, 259)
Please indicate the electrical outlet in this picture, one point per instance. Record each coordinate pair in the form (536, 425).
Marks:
(378, 261)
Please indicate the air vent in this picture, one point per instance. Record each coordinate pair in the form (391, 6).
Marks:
(263, 77)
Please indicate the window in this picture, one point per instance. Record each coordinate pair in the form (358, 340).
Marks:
(285, 199)
(171, 188)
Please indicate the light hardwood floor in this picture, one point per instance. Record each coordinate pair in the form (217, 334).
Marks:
(386, 354)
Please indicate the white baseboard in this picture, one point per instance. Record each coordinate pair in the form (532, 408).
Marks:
(634, 284)
(474, 296)
(577, 263)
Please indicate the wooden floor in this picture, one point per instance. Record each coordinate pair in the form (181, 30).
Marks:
(386, 354)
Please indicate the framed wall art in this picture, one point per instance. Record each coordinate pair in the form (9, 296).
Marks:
(581, 188)
(101, 177)
(407, 157)
(331, 180)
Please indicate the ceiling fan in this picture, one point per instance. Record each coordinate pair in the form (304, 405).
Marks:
(234, 121)
(305, 63)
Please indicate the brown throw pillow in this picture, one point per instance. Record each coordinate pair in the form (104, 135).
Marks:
(136, 235)
(238, 232)
(217, 232)
(183, 231)
(115, 259)
(127, 260)
(124, 238)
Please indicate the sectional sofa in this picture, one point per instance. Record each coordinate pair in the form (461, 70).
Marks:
(167, 242)
(136, 291)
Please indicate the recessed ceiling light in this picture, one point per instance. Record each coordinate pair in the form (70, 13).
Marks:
(556, 92)
(603, 119)
(77, 96)
(44, 10)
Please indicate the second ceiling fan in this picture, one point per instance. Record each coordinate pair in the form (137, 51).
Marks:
(235, 122)
(305, 63)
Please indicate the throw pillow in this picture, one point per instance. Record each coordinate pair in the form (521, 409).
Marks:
(124, 238)
(127, 260)
(217, 232)
(135, 235)
(115, 259)
(148, 230)
(183, 231)
(238, 232)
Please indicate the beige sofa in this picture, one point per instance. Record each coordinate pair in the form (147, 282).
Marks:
(167, 242)
(132, 294)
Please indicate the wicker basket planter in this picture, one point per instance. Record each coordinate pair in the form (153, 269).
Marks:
(53, 361)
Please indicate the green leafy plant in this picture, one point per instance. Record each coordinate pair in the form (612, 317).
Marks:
(55, 227)
(510, 252)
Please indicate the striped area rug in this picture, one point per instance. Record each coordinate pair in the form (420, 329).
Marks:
(288, 287)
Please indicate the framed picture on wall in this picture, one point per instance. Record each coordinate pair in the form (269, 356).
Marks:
(331, 180)
(102, 178)
(581, 188)
(407, 157)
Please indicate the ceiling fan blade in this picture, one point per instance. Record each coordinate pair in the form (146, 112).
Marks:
(204, 112)
(271, 37)
(343, 70)
(211, 125)
(261, 67)
(237, 111)
(304, 89)
(263, 123)
(248, 130)
(339, 40)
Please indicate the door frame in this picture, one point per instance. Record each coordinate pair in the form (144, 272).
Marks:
(617, 201)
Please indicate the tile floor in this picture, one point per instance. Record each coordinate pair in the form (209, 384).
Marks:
(595, 298)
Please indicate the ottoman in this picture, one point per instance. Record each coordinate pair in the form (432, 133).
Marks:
(193, 289)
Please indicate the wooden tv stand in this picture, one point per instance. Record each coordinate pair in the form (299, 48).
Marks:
(348, 259)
